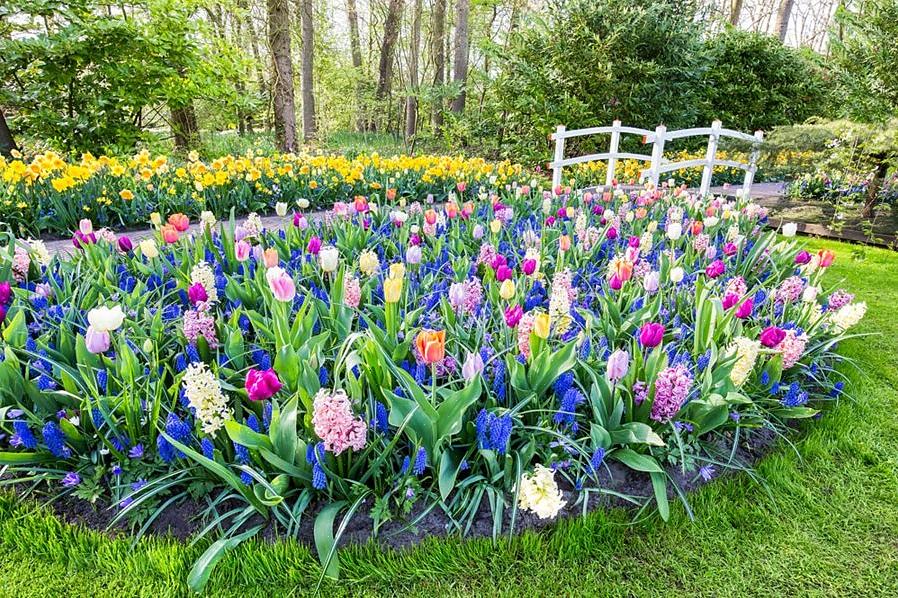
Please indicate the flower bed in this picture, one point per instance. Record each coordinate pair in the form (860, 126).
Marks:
(500, 352)
(46, 194)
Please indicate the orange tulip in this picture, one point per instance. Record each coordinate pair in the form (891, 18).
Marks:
(430, 216)
(431, 344)
(391, 194)
(564, 242)
(179, 221)
(169, 234)
(270, 257)
(697, 227)
(452, 209)
(361, 204)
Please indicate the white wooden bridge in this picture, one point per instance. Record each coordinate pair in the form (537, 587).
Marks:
(658, 165)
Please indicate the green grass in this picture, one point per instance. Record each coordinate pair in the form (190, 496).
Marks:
(825, 523)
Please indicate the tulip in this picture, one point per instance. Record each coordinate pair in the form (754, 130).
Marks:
(826, 258)
(5, 292)
(156, 219)
(85, 226)
(674, 230)
(97, 341)
(2, 313)
(242, 250)
(618, 365)
(730, 249)
(503, 273)
(302, 203)
(615, 282)
(431, 345)
(790, 229)
(197, 293)
(730, 300)
(802, 257)
(280, 208)
(651, 334)
(125, 245)
(513, 315)
(495, 225)
(541, 325)
(745, 308)
(281, 284)
(478, 231)
(430, 216)
(564, 243)
(270, 257)
(262, 384)
(314, 245)
(611, 234)
(528, 266)
(715, 269)
(180, 222)
(413, 254)
(299, 221)
(676, 275)
(396, 270)
(360, 204)
(506, 290)
(207, 219)
(81, 240)
(461, 186)
(472, 366)
(772, 336)
(392, 290)
(105, 319)
(651, 281)
(169, 234)
(149, 249)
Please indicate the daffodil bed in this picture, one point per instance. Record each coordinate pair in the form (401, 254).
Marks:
(501, 353)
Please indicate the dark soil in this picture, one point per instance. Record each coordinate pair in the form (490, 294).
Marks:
(184, 519)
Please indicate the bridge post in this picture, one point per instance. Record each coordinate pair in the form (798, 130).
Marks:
(559, 156)
(657, 154)
(612, 151)
(710, 155)
(752, 165)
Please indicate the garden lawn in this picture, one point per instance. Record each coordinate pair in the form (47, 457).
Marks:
(823, 522)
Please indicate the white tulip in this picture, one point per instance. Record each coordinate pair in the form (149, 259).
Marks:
(104, 319)
(789, 229)
(280, 208)
(676, 275)
(674, 230)
(303, 203)
(329, 256)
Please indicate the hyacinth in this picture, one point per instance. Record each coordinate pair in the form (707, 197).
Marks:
(736, 286)
(792, 347)
(335, 423)
(525, 327)
(465, 297)
(847, 317)
(790, 290)
(487, 254)
(839, 299)
(746, 351)
(352, 291)
(562, 295)
(202, 274)
(204, 394)
(199, 323)
(539, 493)
(701, 242)
(369, 263)
(493, 431)
(40, 252)
(671, 389)
(21, 263)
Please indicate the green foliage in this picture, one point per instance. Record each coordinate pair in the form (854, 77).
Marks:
(866, 54)
(755, 82)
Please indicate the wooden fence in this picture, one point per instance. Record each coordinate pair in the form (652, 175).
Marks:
(658, 164)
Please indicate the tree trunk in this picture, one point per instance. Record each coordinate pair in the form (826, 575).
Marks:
(184, 127)
(284, 108)
(460, 77)
(7, 143)
(782, 18)
(308, 53)
(264, 92)
(735, 12)
(411, 101)
(439, 62)
(391, 34)
(879, 175)
(355, 49)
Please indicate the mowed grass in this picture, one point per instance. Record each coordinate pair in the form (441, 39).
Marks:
(824, 522)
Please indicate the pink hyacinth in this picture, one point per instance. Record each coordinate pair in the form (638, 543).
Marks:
(20, 264)
(335, 423)
(839, 298)
(671, 389)
(199, 323)
(352, 292)
(487, 254)
(790, 290)
(525, 327)
(736, 286)
(792, 347)
(473, 295)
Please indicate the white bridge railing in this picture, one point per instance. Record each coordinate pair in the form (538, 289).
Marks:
(658, 164)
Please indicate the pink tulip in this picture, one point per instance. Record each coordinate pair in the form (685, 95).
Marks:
(262, 384)
(745, 309)
(503, 273)
(242, 250)
(281, 284)
(615, 282)
(85, 226)
(730, 300)
(618, 365)
(97, 341)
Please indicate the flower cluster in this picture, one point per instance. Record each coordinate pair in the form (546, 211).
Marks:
(335, 423)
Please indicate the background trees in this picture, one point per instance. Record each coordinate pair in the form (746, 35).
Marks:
(489, 76)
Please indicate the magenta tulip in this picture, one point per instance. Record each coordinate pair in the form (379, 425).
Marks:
(197, 293)
(262, 384)
(513, 315)
(528, 266)
(5, 292)
(730, 300)
(503, 273)
(125, 245)
(745, 309)
(715, 269)
(651, 334)
(772, 336)
(314, 245)
(802, 257)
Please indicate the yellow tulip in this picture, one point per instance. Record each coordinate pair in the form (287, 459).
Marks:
(496, 225)
(541, 325)
(392, 289)
(506, 291)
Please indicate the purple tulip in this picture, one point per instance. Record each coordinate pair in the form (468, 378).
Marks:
(715, 269)
(125, 245)
(745, 309)
(197, 293)
(97, 341)
(80, 240)
(528, 266)
(611, 233)
(802, 257)
(513, 315)
(503, 273)
(651, 334)
(633, 242)
(772, 336)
